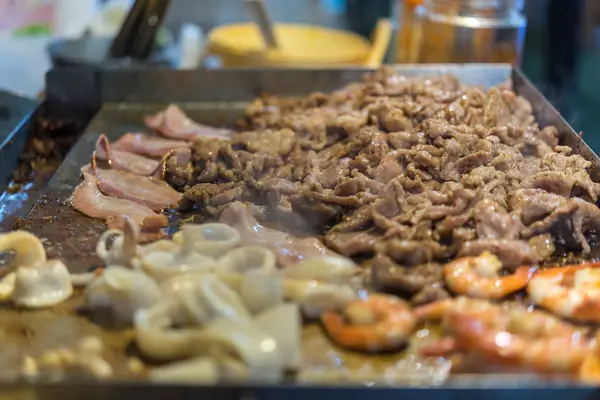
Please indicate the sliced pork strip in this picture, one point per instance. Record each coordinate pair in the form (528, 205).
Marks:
(288, 248)
(124, 160)
(88, 200)
(141, 143)
(351, 243)
(173, 123)
(147, 191)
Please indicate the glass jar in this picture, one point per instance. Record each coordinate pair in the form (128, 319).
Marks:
(466, 31)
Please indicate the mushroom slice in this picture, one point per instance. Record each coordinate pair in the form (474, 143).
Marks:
(326, 269)
(284, 323)
(201, 370)
(124, 245)
(28, 248)
(114, 297)
(212, 240)
(314, 296)
(248, 341)
(204, 297)
(45, 285)
(155, 336)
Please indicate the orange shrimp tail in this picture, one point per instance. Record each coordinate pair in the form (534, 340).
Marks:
(589, 372)
(443, 347)
(352, 337)
(432, 312)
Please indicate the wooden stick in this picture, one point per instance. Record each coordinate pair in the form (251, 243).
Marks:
(261, 17)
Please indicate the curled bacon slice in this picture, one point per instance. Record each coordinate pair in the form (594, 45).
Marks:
(88, 200)
(124, 160)
(141, 143)
(173, 123)
(148, 191)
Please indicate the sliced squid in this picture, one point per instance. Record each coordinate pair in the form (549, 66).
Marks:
(164, 264)
(212, 240)
(260, 290)
(114, 297)
(124, 247)
(259, 350)
(200, 370)
(325, 269)
(284, 323)
(202, 298)
(44, 285)
(232, 266)
(314, 296)
(157, 339)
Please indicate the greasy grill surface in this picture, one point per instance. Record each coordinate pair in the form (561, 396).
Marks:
(72, 236)
(56, 223)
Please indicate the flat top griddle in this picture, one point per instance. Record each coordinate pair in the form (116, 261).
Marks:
(220, 97)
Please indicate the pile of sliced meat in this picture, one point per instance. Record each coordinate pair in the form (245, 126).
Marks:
(408, 171)
(132, 183)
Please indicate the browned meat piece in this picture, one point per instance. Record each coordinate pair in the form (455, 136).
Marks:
(414, 169)
(390, 276)
(512, 253)
(568, 224)
(351, 243)
(549, 135)
(557, 182)
(535, 204)
(279, 142)
(412, 252)
(493, 222)
(429, 294)
(208, 194)
(543, 245)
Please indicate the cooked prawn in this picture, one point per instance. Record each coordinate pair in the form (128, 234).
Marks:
(478, 277)
(508, 333)
(571, 292)
(516, 336)
(378, 323)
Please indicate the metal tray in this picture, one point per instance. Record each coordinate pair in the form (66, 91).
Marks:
(218, 97)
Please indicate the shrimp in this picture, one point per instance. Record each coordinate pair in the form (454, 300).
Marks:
(589, 372)
(507, 333)
(571, 292)
(515, 336)
(378, 323)
(478, 277)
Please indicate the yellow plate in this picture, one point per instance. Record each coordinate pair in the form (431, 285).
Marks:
(299, 45)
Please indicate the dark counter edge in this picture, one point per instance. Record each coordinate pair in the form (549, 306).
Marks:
(15, 124)
(118, 390)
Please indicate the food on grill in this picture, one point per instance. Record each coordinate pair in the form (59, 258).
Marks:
(341, 236)
(175, 124)
(88, 200)
(123, 160)
(151, 192)
(412, 172)
(146, 145)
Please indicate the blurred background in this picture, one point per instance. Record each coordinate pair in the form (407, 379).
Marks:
(560, 45)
